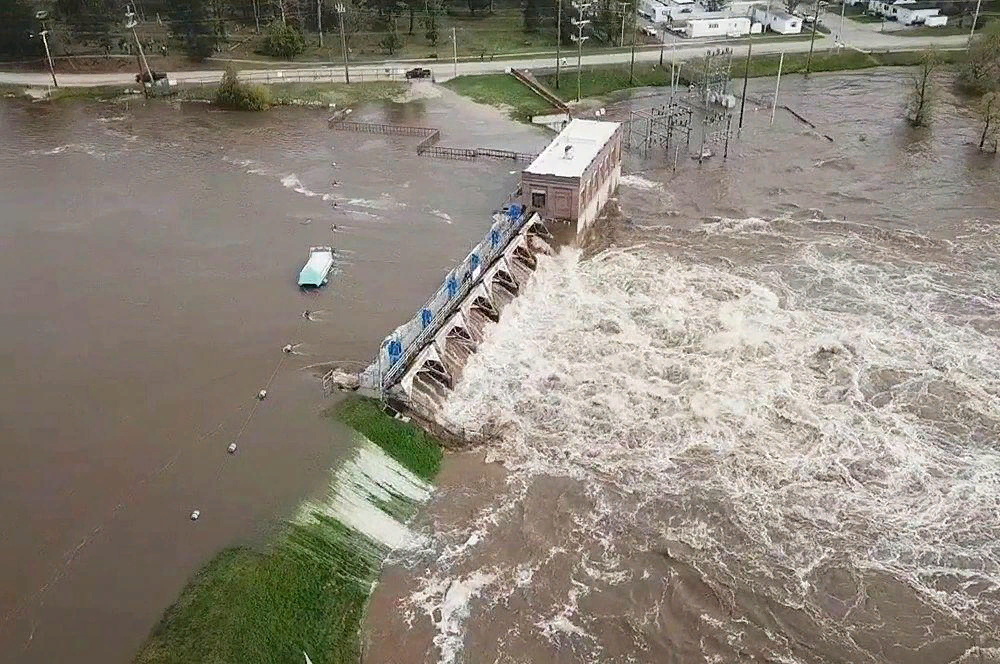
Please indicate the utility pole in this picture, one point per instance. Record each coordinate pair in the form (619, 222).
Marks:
(663, 36)
(319, 21)
(44, 34)
(130, 23)
(579, 38)
(812, 39)
(624, 6)
(343, 40)
(746, 77)
(777, 84)
(558, 40)
(975, 19)
(43, 16)
(454, 50)
(843, 8)
(673, 64)
(631, 66)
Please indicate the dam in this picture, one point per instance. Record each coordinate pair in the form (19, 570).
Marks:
(566, 186)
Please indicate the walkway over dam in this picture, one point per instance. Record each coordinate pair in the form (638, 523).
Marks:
(423, 357)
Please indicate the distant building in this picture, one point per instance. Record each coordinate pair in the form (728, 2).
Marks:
(573, 178)
(909, 12)
(654, 10)
(722, 25)
(777, 21)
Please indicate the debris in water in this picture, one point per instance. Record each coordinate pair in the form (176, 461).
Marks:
(195, 514)
(232, 448)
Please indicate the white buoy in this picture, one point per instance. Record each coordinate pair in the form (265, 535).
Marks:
(232, 448)
(262, 395)
(195, 514)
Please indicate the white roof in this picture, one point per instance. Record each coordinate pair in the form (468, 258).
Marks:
(584, 138)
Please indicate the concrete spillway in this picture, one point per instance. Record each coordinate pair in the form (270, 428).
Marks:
(423, 358)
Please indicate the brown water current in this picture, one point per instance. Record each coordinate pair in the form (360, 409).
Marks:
(148, 256)
(759, 424)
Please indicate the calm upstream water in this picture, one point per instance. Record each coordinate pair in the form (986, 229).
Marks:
(149, 257)
(761, 425)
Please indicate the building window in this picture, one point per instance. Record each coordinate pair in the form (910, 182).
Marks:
(538, 199)
(713, 25)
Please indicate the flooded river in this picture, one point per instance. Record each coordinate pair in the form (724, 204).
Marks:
(149, 257)
(760, 425)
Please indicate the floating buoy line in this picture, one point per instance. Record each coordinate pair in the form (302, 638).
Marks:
(286, 350)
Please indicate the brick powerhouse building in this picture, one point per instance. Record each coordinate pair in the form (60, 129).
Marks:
(573, 178)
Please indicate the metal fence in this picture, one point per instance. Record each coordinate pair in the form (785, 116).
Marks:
(398, 349)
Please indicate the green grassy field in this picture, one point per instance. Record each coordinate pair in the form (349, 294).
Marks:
(865, 18)
(307, 590)
(604, 81)
(504, 91)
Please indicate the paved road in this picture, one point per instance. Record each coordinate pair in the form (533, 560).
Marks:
(856, 35)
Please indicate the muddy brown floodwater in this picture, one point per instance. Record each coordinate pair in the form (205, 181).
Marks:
(762, 425)
(148, 256)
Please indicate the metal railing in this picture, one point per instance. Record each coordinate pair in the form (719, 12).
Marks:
(488, 252)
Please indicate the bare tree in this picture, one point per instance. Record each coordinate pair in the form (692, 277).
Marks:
(989, 111)
(922, 95)
(791, 5)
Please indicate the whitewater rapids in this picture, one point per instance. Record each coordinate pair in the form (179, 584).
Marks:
(787, 455)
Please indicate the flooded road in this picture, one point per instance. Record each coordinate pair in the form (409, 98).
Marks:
(149, 257)
(760, 425)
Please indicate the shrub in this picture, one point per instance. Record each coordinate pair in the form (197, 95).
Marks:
(235, 95)
(981, 72)
(283, 41)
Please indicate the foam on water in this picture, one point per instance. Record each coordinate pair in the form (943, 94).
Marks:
(291, 181)
(78, 148)
(639, 182)
(780, 418)
(450, 599)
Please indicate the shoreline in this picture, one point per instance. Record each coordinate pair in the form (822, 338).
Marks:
(308, 589)
(611, 83)
(319, 95)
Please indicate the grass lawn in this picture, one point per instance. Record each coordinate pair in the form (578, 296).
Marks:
(505, 91)
(865, 18)
(304, 592)
(602, 81)
(924, 31)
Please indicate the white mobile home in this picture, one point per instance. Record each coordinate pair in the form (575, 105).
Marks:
(777, 21)
(654, 10)
(717, 26)
(884, 7)
(916, 13)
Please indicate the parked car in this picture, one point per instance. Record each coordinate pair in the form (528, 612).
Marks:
(144, 76)
(649, 31)
(418, 72)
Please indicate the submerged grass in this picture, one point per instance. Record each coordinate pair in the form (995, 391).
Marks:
(307, 591)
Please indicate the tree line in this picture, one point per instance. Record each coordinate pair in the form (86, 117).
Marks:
(202, 27)
(978, 77)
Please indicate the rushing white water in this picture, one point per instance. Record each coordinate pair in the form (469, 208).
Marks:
(815, 418)
(368, 478)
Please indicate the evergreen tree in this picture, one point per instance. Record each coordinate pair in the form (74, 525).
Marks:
(192, 22)
(17, 23)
